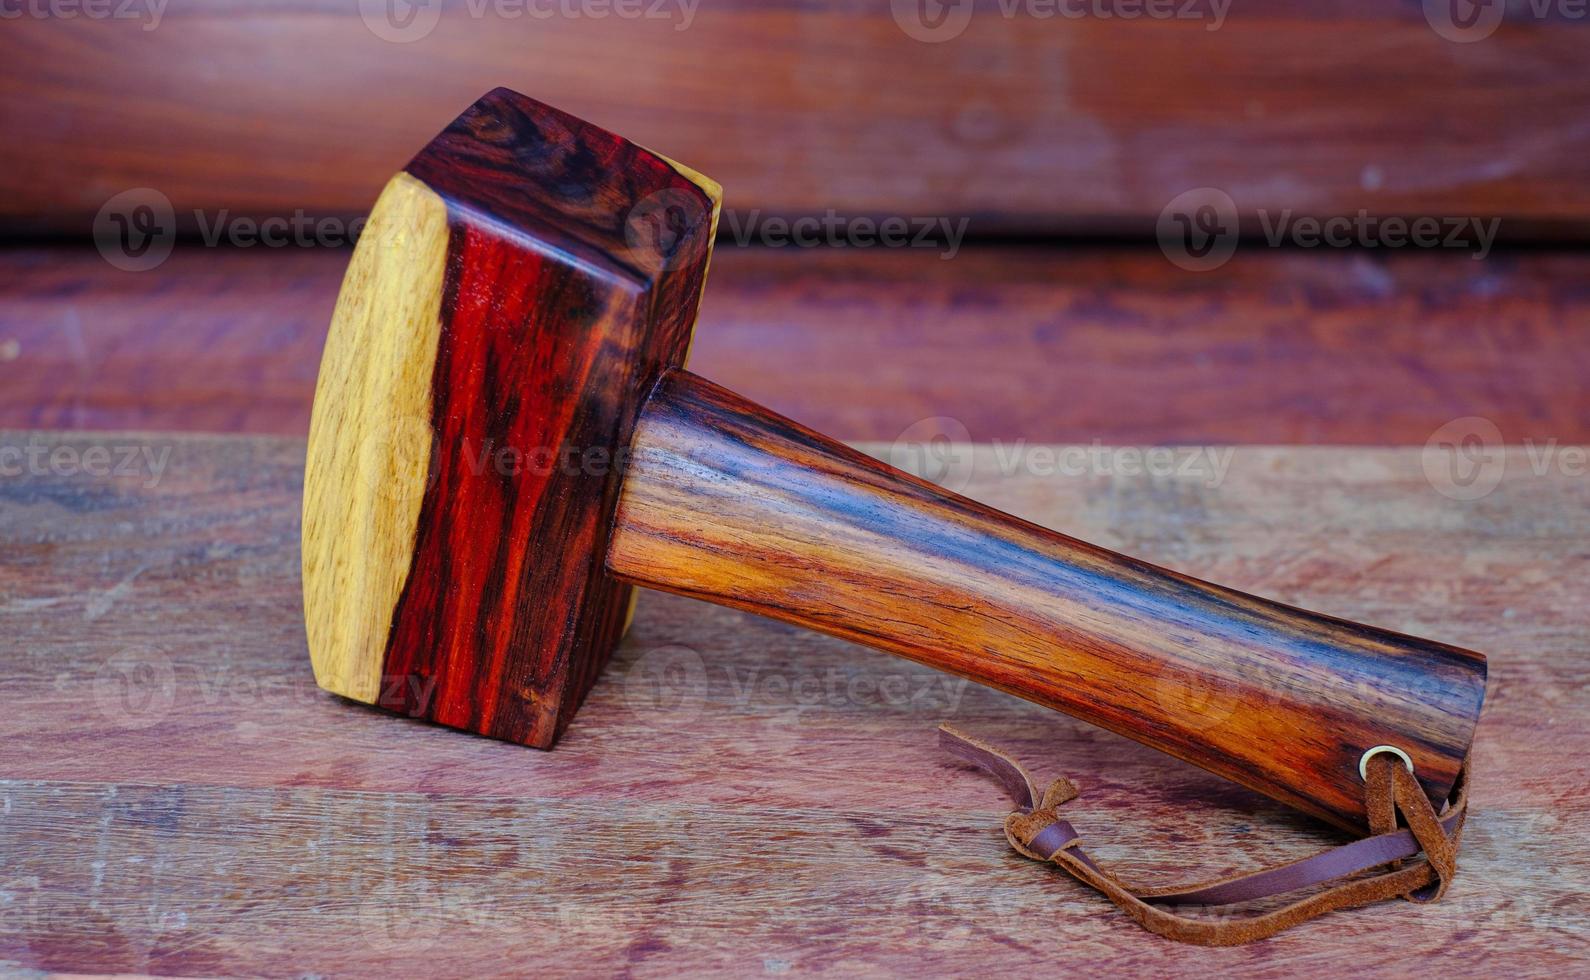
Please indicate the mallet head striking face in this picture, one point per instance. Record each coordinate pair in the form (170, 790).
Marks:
(518, 289)
(504, 440)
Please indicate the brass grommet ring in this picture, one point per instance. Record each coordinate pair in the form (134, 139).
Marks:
(1363, 760)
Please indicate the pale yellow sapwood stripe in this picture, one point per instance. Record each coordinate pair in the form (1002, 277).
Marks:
(370, 438)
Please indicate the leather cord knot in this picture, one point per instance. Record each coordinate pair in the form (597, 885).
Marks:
(1392, 798)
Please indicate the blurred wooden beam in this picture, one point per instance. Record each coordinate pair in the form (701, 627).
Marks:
(797, 106)
(1043, 344)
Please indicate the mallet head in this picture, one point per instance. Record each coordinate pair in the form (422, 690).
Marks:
(516, 292)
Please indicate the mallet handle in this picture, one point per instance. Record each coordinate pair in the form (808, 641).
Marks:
(729, 502)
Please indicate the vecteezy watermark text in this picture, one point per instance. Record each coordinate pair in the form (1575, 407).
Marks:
(148, 11)
(407, 21)
(936, 21)
(141, 686)
(1364, 230)
(674, 684)
(1199, 230)
(1206, 463)
(940, 450)
(139, 461)
(136, 230)
(834, 230)
(297, 230)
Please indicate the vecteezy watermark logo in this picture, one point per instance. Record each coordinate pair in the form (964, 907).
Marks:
(1197, 230)
(1198, 700)
(1467, 21)
(148, 11)
(937, 449)
(401, 21)
(136, 229)
(834, 230)
(937, 21)
(932, 21)
(663, 230)
(136, 688)
(668, 684)
(1464, 21)
(395, 459)
(407, 913)
(1466, 458)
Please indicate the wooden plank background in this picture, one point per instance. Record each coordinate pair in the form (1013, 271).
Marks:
(1027, 125)
(738, 797)
(1048, 345)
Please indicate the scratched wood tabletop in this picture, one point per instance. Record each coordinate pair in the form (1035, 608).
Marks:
(738, 797)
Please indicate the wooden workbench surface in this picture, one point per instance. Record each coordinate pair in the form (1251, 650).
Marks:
(737, 797)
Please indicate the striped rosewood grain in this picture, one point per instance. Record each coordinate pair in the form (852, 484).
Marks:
(492, 346)
(728, 502)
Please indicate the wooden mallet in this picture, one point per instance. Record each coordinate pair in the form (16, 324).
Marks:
(505, 440)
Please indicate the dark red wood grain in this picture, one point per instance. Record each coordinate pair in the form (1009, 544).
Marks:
(552, 331)
(728, 502)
